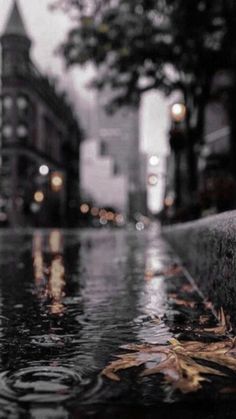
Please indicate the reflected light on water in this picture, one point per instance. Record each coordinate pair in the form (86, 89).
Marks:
(156, 297)
(155, 288)
(50, 283)
(153, 301)
(153, 263)
(55, 241)
(38, 258)
(57, 285)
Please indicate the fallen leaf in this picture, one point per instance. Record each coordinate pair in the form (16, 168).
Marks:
(169, 272)
(188, 288)
(184, 303)
(182, 372)
(177, 361)
(128, 361)
(173, 271)
(223, 326)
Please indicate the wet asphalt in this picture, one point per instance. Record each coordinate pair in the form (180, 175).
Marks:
(70, 299)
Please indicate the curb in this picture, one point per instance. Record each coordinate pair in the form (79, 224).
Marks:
(208, 249)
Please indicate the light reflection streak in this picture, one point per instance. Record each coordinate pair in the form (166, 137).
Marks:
(57, 273)
(55, 241)
(50, 282)
(39, 266)
(153, 301)
(57, 285)
(155, 288)
(153, 264)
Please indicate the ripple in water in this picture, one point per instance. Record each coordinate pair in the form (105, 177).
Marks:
(49, 341)
(43, 384)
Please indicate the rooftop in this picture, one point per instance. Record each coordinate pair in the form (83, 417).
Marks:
(15, 24)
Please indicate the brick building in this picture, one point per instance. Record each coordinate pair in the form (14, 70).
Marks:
(40, 137)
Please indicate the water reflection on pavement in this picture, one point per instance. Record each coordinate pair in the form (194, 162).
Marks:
(68, 301)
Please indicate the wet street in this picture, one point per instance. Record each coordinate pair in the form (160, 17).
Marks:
(71, 302)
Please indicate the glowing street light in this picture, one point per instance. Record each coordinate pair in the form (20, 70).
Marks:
(154, 160)
(178, 112)
(84, 208)
(177, 143)
(152, 180)
(39, 197)
(44, 170)
(56, 181)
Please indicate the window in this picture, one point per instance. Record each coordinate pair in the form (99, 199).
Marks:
(6, 166)
(7, 102)
(116, 169)
(22, 131)
(103, 148)
(22, 103)
(7, 131)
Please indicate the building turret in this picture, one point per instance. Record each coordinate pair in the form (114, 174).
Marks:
(15, 45)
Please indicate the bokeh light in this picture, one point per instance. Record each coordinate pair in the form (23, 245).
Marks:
(44, 170)
(39, 196)
(152, 180)
(178, 112)
(84, 208)
(154, 160)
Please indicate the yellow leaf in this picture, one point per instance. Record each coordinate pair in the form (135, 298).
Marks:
(223, 327)
(177, 361)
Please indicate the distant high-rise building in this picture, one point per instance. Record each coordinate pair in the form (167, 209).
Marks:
(118, 147)
(40, 137)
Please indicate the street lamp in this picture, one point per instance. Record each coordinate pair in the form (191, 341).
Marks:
(178, 112)
(39, 197)
(56, 181)
(177, 143)
(154, 160)
(84, 208)
(44, 170)
(152, 179)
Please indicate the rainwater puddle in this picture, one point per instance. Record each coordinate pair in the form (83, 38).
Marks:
(69, 302)
(40, 384)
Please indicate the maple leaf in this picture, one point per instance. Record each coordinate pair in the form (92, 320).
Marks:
(182, 372)
(129, 361)
(220, 353)
(177, 361)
